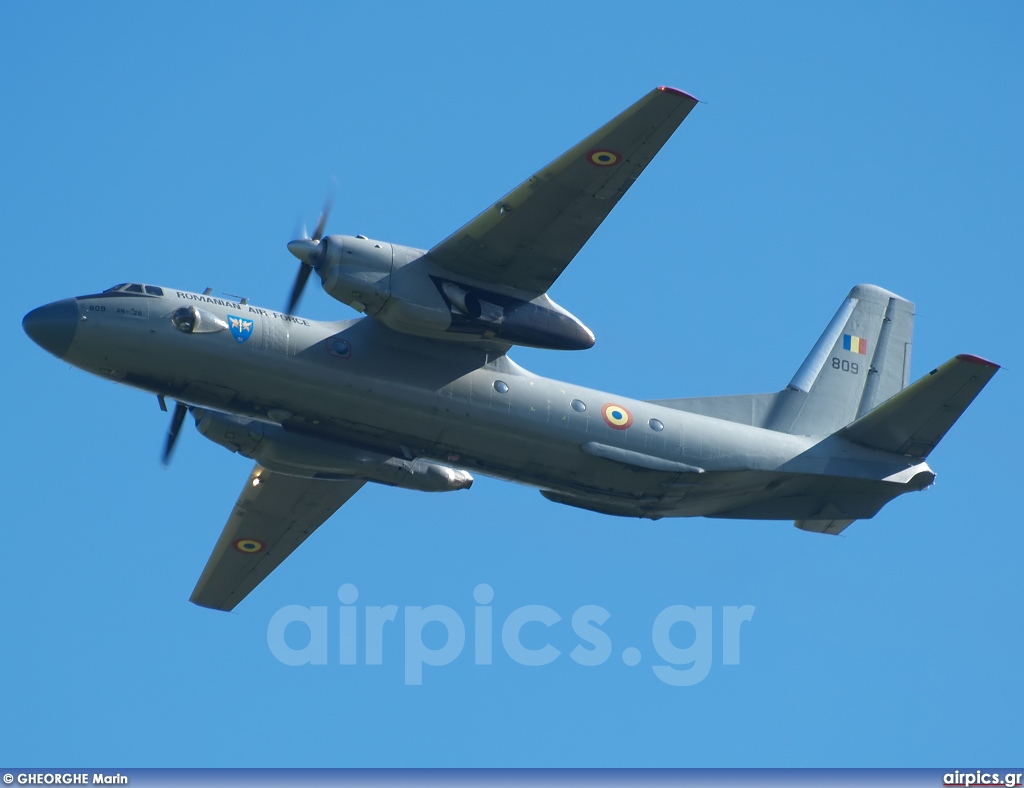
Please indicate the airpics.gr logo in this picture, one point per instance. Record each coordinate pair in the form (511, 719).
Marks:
(529, 635)
(241, 328)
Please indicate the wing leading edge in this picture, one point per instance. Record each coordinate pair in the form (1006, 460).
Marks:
(527, 238)
(274, 515)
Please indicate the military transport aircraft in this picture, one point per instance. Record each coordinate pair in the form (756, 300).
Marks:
(421, 391)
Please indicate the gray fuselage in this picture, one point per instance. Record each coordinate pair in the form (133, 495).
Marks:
(359, 383)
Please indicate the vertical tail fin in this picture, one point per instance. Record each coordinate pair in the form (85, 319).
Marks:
(861, 360)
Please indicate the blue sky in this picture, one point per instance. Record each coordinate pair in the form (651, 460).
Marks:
(182, 144)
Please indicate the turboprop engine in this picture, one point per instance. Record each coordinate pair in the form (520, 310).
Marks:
(401, 287)
(292, 454)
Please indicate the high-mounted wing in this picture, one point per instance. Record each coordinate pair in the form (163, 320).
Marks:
(528, 237)
(274, 515)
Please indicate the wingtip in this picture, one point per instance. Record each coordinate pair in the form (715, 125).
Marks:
(984, 362)
(198, 601)
(677, 91)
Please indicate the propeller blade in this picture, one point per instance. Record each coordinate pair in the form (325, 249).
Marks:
(298, 287)
(180, 409)
(310, 252)
(321, 223)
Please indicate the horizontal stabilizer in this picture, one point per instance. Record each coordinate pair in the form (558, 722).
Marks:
(913, 421)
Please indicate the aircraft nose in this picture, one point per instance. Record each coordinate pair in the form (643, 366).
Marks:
(53, 326)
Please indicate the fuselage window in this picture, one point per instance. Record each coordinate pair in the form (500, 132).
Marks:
(578, 405)
(339, 347)
(501, 386)
(133, 289)
(656, 425)
(154, 290)
(185, 319)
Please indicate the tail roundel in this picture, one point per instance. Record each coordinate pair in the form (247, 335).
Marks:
(861, 360)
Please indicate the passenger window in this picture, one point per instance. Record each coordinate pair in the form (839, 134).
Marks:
(656, 425)
(578, 405)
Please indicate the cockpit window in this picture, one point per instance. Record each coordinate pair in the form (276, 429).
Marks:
(185, 319)
(154, 290)
(133, 289)
(115, 287)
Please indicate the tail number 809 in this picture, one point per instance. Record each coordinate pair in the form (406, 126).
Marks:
(846, 366)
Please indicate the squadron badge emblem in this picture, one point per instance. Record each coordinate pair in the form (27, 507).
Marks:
(241, 328)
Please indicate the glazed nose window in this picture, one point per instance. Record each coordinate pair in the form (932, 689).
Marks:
(185, 319)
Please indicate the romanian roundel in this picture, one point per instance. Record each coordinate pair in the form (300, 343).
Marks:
(616, 416)
(603, 158)
(248, 546)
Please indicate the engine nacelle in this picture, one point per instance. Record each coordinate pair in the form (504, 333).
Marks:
(292, 454)
(357, 271)
(402, 288)
(459, 311)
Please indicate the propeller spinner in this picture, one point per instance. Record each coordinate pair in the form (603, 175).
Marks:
(310, 252)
